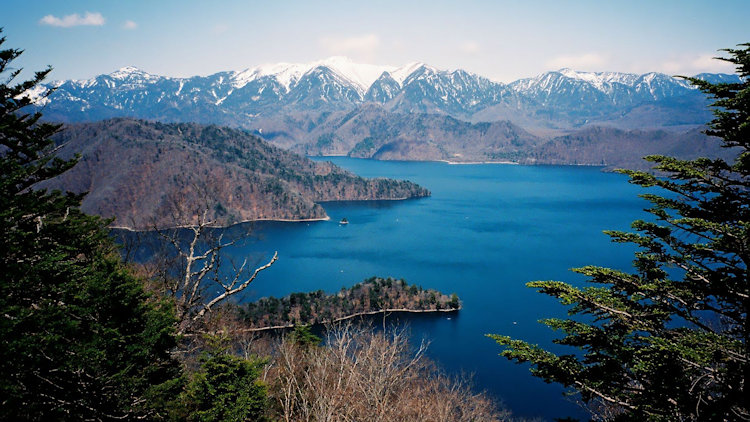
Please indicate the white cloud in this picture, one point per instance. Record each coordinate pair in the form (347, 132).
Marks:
(695, 63)
(673, 67)
(361, 47)
(708, 63)
(470, 47)
(88, 19)
(129, 25)
(586, 61)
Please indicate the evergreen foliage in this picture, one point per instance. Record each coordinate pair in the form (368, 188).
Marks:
(670, 340)
(225, 388)
(81, 340)
(304, 337)
(373, 295)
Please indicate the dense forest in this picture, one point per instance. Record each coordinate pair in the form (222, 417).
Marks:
(370, 296)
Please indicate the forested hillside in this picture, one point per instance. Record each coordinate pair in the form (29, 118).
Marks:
(371, 296)
(148, 174)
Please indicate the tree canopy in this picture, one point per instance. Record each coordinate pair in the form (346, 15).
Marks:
(668, 341)
(81, 339)
(225, 387)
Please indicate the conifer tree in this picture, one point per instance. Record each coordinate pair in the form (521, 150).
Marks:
(81, 340)
(226, 387)
(668, 341)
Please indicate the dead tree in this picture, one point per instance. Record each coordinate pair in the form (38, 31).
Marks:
(199, 262)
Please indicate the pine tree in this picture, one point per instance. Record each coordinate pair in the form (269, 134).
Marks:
(81, 340)
(225, 387)
(670, 340)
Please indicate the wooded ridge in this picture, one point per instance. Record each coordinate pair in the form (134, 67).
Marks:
(372, 296)
(149, 174)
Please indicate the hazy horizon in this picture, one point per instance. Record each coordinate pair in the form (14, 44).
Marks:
(503, 41)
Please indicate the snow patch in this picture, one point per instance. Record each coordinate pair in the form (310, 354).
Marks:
(601, 80)
(284, 73)
(403, 72)
(36, 95)
(131, 74)
(362, 76)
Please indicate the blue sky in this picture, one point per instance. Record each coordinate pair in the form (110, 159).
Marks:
(503, 40)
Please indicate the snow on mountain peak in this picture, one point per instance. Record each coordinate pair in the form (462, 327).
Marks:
(403, 72)
(127, 71)
(600, 80)
(335, 61)
(285, 74)
(362, 76)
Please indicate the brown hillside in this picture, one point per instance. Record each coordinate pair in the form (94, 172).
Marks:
(148, 174)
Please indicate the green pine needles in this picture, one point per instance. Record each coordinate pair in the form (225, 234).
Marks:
(225, 387)
(81, 339)
(668, 341)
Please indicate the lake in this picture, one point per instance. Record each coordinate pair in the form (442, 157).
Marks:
(486, 230)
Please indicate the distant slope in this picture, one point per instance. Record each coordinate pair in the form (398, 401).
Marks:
(616, 148)
(152, 174)
(371, 131)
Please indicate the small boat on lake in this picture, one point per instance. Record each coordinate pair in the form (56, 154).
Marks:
(344, 221)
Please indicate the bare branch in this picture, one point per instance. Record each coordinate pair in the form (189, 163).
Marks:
(241, 287)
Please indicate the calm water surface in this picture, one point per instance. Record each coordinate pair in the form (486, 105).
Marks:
(486, 230)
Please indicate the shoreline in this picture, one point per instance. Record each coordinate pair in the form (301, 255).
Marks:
(373, 200)
(419, 161)
(453, 163)
(450, 162)
(282, 220)
(358, 314)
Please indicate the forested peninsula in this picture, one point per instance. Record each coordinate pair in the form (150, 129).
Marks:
(372, 296)
(150, 174)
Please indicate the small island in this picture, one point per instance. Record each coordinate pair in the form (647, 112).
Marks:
(372, 296)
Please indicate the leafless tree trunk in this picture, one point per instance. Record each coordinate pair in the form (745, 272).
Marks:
(199, 259)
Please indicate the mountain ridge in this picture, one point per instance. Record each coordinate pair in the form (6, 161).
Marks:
(565, 98)
(414, 112)
(365, 74)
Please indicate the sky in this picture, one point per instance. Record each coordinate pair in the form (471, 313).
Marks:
(502, 40)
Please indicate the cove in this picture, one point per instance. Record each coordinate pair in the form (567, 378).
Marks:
(486, 230)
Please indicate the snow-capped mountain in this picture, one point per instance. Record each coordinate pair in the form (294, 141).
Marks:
(561, 98)
(339, 81)
(361, 76)
(718, 78)
(569, 88)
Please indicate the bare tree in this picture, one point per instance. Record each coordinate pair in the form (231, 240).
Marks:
(199, 260)
(361, 374)
(189, 289)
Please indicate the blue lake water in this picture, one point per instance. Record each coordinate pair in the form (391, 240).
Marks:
(485, 231)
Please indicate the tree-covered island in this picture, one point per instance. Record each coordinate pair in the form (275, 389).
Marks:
(372, 296)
